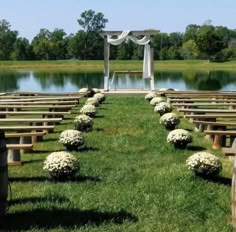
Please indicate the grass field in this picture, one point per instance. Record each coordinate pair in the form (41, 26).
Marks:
(117, 65)
(130, 180)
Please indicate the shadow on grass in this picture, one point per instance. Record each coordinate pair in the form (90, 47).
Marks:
(87, 149)
(32, 161)
(99, 129)
(195, 148)
(99, 116)
(54, 217)
(218, 180)
(78, 179)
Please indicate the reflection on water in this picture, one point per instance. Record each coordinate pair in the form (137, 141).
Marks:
(63, 81)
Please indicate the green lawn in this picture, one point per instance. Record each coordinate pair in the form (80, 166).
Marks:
(90, 65)
(130, 180)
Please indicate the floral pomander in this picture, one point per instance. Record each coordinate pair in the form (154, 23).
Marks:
(92, 101)
(61, 165)
(83, 90)
(150, 96)
(162, 108)
(180, 138)
(205, 164)
(156, 100)
(169, 120)
(95, 90)
(89, 110)
(71, 139)
(101, 97)
(83, 123)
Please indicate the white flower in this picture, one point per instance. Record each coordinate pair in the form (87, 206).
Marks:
(83, 90)
(92, 101)
(150, 96)
(61, 165)
(83, 123)
(204, 163)
(162, 108)
(156, 100)
(169, 119)
(179, 136)
(95, 90)
(89, 110)
(72, 139)
(101, 97)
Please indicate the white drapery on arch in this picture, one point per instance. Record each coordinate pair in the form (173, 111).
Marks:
(124, 36)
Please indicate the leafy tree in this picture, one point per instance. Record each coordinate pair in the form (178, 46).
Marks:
(176, 39)
(191, 32)
(22, 50)
(7, 40)
(190, 50)
(91, 44)
(208, 41)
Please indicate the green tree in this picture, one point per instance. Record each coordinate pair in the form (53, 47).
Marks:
(22, 50)
(209, 41)
(191, 32)
(7, 40)
(90, 42)
(189, 50)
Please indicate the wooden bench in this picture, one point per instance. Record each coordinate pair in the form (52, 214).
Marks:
(18, 143)
(70, 102)
(209, 116)
(219, 137)
(32, 121)
(44, 114)
(185, 100)
(210, 125)
(229, 151)
(200, 105)
(207, 111)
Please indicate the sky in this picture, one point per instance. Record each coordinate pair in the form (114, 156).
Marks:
(29, 16)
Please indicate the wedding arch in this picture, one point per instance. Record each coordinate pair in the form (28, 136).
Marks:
(118, 37)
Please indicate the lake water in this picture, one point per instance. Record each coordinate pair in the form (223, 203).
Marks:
(63, 81)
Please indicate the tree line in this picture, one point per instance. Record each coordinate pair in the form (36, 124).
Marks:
(215, 43)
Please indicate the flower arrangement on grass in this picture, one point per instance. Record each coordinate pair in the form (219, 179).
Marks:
(162, 108)
(83, 123)
(156, 100)
(71, 139)
(92, 101)
(204, 164)
(83, 90)
(61, 165)
(101, 97)
(169, 120)
(95, 90)
(150, 96)
(89, 110)
(180, 138)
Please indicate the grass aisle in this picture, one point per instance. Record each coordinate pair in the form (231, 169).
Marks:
(130, 180)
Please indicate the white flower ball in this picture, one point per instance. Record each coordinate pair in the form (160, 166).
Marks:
(169, 119)
(162, 108)
(92, 101)
(156, 100)
(83, 123)
(179, 138)
(205, 164)
(83, 90)
(95, 90)
(89, 110)
(61, 165)
(101, 97)
(71, 139)
(150, 96)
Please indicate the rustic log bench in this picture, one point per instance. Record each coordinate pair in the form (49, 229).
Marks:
(219, 137)
(211, 125)
(201, 104)
(69, 102)
(32, 121)
(203, 111)
(44, 114)
(185, 100)
(18, 143)
(209, 116)
(51, 108)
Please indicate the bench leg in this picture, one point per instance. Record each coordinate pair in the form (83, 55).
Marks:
(217, 142)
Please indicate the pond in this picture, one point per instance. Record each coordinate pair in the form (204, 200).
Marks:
(67, 81)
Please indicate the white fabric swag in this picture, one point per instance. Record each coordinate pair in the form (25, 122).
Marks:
(124, 36)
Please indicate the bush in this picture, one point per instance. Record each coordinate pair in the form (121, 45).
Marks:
(204, 164)
(101, 97)
(71, 139)
(162, 108)
(180, 138)
(156, 100)
(169, 120)
(61, 165)
(150, 96)
(83, 123)
(89, 110)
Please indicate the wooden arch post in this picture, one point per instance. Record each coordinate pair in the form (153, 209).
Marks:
(105, 34)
